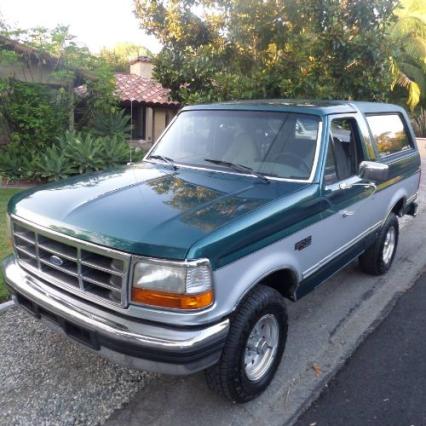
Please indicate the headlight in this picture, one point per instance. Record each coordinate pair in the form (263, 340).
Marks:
(181, 285)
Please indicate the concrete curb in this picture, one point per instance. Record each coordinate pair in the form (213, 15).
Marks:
(6, 305)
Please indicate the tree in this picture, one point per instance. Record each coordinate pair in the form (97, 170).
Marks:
(408, 38)
(120, 55)
(226, 49)
(74, 65)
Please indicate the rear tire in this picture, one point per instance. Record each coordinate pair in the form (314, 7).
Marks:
(378, 258)
(254, 347)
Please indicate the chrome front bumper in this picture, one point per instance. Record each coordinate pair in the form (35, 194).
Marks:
(134, 343)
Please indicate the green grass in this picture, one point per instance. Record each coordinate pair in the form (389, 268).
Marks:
(5, 247)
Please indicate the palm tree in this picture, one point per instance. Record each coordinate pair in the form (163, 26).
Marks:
(408, 36)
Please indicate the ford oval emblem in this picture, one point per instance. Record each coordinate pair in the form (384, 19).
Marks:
(56, 260)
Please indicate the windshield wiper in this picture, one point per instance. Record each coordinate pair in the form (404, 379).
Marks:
(239, 168)
(165, 159)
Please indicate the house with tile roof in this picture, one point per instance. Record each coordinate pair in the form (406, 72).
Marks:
(145, 100)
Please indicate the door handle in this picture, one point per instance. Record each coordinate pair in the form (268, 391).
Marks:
(345, 185)
(347, 213)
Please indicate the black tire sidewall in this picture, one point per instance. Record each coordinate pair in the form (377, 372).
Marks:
(262, 301)
(392, 221)
(255, 387)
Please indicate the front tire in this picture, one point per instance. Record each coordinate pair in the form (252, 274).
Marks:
(378, 258)
(254, 347)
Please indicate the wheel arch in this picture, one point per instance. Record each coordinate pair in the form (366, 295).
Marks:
(399, 207)
(397, 203)
(283, 280)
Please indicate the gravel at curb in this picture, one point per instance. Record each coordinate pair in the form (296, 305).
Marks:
(47, 379)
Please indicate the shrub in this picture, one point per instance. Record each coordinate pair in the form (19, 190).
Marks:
(73, 154)
(17, 162)
(116, 123)
(420, 124)
(82, 153)
(35, 114)
(53, 165)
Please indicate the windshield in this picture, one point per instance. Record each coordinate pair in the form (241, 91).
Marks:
(273, 144)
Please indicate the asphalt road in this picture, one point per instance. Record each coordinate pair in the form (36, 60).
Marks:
(384, 381)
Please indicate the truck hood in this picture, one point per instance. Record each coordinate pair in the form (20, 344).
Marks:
(146, 209)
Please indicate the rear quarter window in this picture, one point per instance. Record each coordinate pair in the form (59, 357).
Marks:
(389, 134)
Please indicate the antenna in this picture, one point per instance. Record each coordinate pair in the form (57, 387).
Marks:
(131, 131)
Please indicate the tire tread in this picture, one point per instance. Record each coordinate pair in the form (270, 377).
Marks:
(221, 378)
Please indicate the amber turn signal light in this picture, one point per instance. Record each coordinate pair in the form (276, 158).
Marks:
(172, 300)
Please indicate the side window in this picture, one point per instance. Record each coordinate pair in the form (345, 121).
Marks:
(344, 151)
(389, 133)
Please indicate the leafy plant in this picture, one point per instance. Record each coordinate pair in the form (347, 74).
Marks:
(83, 153)
(53, 164)
(408, 39)
(116, 123)
(33, 113)
(420, 124)
(74, 153)
(113, 151)
(36, 112)
(240, 49)
(16, 162)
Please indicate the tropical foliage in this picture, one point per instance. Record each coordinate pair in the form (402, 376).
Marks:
(408, 38)
(250, 49)
(112, 124)
(37, 117)
(74, 153)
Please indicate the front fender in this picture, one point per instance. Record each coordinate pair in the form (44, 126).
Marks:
(236, 279)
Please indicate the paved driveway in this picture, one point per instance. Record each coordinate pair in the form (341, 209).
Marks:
(45, 378)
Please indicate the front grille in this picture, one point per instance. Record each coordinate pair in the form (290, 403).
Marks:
(93, 272)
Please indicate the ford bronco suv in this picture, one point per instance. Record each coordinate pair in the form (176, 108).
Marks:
(182, 262)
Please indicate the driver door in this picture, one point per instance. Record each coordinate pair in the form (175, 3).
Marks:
(350, 200)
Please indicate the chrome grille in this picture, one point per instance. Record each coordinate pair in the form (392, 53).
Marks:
(93, 272)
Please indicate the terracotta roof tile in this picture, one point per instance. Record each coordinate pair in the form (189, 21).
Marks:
(141, 89)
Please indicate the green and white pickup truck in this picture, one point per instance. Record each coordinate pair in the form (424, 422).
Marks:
(183, 262)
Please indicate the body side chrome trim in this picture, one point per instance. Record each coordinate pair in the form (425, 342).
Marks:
(340, 250)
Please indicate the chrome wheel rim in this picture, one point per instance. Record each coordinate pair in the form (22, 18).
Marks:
(389, 245)
(261, 347)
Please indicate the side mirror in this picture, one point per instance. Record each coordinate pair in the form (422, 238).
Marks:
(371, 170)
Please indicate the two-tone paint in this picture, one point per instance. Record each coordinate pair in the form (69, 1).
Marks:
(295, 234)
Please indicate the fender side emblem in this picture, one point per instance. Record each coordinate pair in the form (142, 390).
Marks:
(302, 244)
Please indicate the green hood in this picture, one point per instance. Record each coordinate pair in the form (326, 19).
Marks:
(147, 209)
